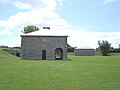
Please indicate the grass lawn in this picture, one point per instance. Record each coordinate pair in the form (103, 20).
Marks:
(77, 73)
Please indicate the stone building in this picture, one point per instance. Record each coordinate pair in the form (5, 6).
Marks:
(84, 52)
(44, 44)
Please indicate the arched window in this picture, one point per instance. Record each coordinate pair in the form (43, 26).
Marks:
(59, 53)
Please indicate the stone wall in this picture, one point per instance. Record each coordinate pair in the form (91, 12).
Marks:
(32, 46)
(13, 52)
(84, 52)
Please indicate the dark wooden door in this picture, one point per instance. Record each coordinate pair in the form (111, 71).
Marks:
(43, 54)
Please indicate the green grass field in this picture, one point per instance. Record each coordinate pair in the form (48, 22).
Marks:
(77, 73)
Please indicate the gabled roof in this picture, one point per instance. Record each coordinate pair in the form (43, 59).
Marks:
(45, 32)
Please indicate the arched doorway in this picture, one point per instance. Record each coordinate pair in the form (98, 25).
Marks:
(43, 54)
(59, 53)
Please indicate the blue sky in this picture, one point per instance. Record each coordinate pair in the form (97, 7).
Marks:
(91, 13)
(85, 21)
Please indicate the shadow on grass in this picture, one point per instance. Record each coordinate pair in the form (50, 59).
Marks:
(69, 59)
(46, 60)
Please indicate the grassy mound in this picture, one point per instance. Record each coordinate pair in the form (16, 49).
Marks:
(77, 73)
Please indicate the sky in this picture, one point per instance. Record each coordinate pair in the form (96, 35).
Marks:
(84, 21)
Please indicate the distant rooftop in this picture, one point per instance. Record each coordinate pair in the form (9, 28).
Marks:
(84, 47)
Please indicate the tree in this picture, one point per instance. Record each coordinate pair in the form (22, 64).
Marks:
(104, 47)
(30, 28)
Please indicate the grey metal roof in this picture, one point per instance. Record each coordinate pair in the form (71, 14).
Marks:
(84, 47)
(45, 32)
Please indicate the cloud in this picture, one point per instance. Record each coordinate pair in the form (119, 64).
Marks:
(39, 17)
(5, 32)
(109, 1)
(11, 41)
(79, 38)
(43, 13)
(60, 2)
(34, 4)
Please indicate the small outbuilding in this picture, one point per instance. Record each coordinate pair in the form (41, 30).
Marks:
(84, 52)
(44, 44)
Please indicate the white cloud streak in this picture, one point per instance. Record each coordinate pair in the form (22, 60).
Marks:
(34, 4)
(109, 1)
(39, 17)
